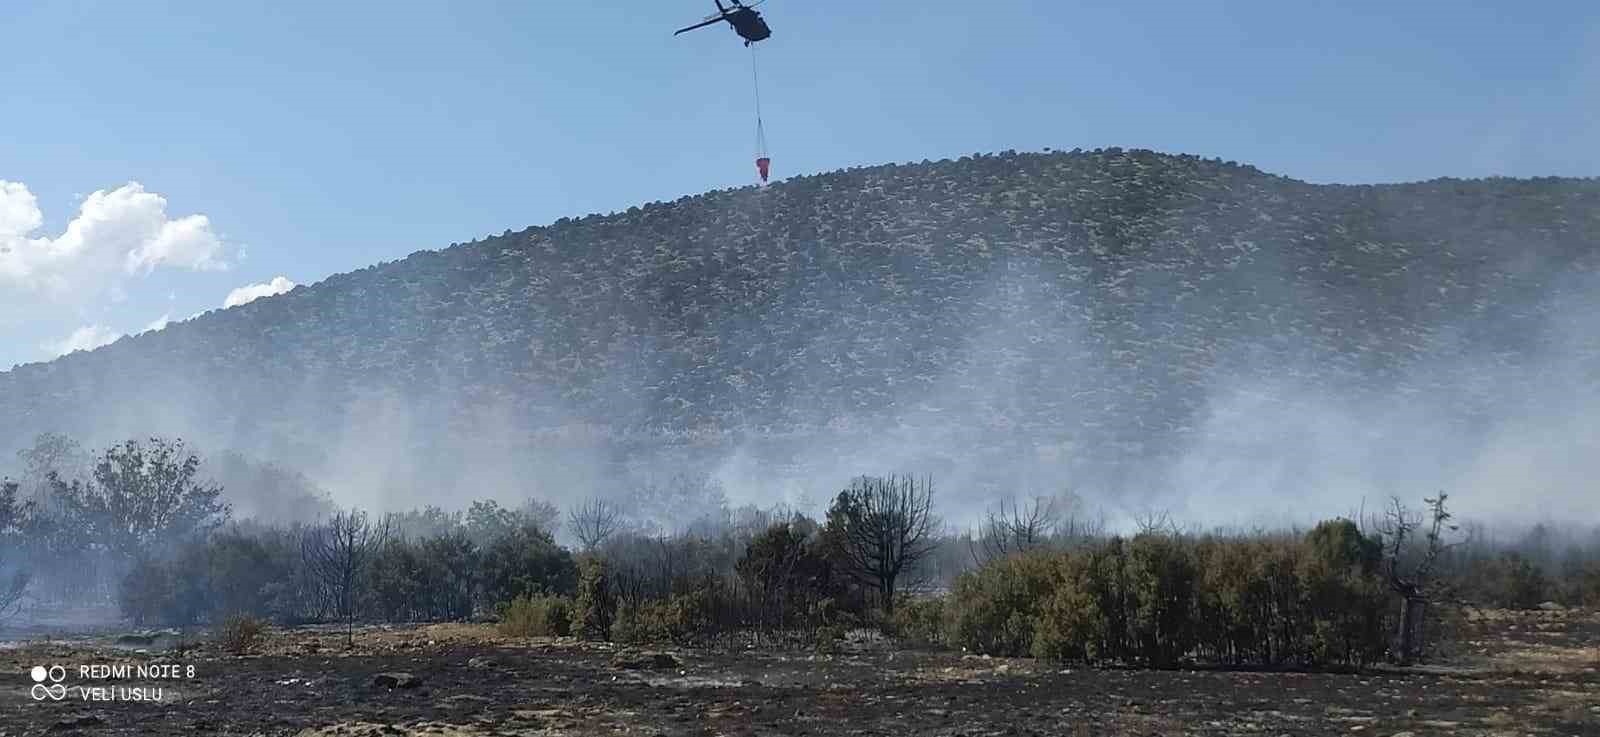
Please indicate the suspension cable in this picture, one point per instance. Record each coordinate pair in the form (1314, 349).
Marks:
(755, 82)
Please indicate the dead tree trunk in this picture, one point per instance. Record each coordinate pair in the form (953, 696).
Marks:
(1408, 632)
(1415, 583)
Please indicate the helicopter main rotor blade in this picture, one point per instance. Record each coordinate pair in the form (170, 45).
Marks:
(703, 24)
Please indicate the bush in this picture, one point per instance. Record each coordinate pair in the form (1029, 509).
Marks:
(921, 621)
(638, 624)
(679, 619)
(1160, 599)
(397, 582)
(829, 636)
(1509, 580)
(596, 604)
(537, 615)
(1345, 600)
(1587, 587)
(1162, 574)
(1525, 584)
(145, 594)
(454, 562)
(785, 574)
(244, 568)
(524, 561)
(1071, 622)
(239, 633)
(996, 607)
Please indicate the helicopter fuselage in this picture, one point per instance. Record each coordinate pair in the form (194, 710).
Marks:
(748, 24)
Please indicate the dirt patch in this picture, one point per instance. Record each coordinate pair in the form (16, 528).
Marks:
(1528, 674)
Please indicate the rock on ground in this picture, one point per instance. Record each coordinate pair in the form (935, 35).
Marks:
(396, 680)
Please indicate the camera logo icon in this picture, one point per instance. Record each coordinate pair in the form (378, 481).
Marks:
(53, 690)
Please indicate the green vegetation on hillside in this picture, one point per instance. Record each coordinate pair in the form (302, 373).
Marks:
(1001, 304)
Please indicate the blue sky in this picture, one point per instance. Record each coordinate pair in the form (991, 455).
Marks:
(315, 138)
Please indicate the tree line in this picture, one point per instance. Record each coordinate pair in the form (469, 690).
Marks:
(141, 525)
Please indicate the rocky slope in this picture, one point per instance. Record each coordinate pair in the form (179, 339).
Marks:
(1081, 310)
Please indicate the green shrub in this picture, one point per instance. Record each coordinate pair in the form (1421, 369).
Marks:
(1161, 599)
(649, 622)
(1225, 606)
(1106, 585)
(243, 569)
(1525, 585)
(1071, 625)
(634, 624)
(523, 561)
(396, 582)
(536, 615)
(679, 619)
(1344, 598)
(921, 621)
(996, 607)
(1162, 575)
(596, 604)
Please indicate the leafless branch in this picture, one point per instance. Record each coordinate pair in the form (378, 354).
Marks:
(594, 521)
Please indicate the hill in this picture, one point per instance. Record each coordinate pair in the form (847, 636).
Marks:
(1121, 320)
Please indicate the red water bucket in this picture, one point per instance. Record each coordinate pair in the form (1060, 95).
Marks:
(761, 165)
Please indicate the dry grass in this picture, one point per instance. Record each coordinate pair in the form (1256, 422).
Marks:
(240, 634)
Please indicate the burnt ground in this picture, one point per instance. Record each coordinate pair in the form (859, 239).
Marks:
(1534, 673)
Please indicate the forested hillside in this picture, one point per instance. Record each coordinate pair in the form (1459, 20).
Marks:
(1060, 314)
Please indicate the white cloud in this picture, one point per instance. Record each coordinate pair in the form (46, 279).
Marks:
(252, 292)
(19, 212)
(186, 242)
(117, 233)
(86, 338)
(159, 323)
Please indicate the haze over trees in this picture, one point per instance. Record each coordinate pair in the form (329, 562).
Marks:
(1342, 593)
(14, 574)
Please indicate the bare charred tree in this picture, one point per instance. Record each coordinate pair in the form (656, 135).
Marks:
(1410, 568)
(594, 522)
(1013, 528)
(1153, 522)
(882, 528)
(1076, 526)
(338, 554)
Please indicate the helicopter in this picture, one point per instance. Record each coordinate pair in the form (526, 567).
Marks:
(745, 21)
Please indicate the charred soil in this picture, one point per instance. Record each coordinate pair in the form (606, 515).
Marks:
(1514, 674)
